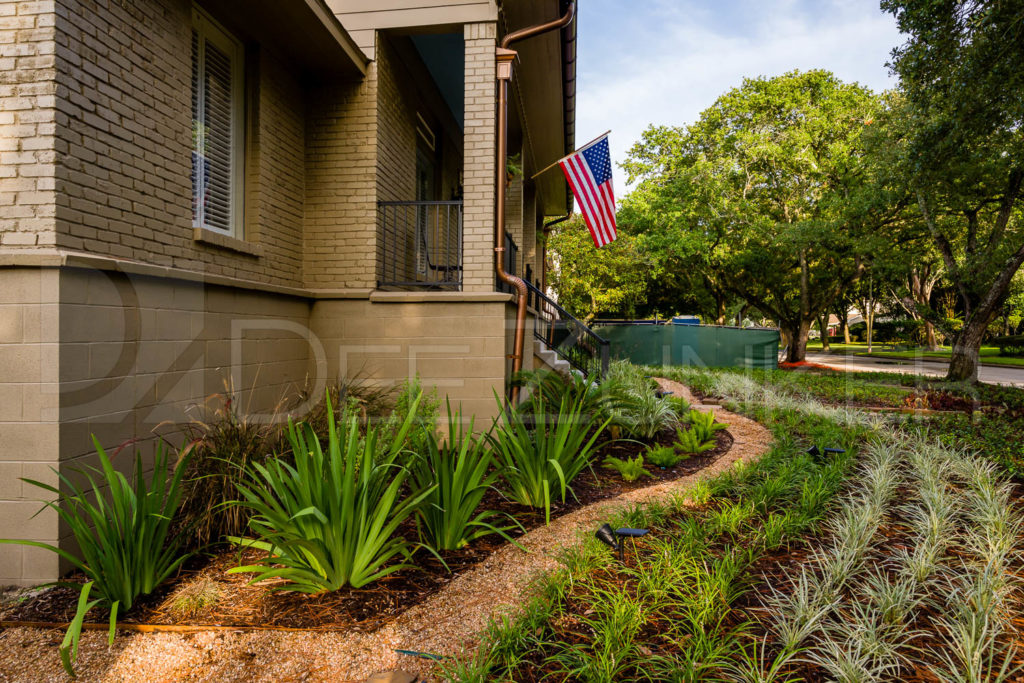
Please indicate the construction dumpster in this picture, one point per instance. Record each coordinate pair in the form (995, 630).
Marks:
(701, 345)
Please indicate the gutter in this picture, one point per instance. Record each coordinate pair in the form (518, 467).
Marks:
(504, 57)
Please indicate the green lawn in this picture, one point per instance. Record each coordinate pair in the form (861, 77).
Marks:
(989, 354)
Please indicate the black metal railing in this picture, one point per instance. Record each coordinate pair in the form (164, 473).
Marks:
(572, 340)
(421, 245)
(510, 259)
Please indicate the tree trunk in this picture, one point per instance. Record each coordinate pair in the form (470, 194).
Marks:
(823, 326)
(844, 325)
(929, 336)
(719, 308)
(798, 342)
(963, 363)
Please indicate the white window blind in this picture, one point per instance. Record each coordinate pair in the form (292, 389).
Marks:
(217, 140)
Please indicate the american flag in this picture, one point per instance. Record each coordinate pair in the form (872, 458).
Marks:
(589, 172)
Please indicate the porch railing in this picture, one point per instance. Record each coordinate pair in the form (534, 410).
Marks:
(572, 340)
(421, 245)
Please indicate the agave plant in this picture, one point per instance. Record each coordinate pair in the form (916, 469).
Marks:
(457, 473)
(539, 463)
(123, 532)
(331, 519)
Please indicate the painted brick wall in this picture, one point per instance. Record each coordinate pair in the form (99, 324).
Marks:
(27, 116)
(124, 142)
(341, 161)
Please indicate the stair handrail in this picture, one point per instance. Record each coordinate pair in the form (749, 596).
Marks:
(580, 336)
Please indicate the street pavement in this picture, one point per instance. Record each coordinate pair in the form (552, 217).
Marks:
(931, 367)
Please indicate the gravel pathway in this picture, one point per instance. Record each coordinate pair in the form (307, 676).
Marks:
(447, 623)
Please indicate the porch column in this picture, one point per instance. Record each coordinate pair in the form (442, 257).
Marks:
(478, 161)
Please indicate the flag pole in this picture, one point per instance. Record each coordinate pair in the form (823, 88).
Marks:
(552, 165)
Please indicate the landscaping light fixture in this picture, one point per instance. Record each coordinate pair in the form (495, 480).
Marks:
(614, 539)
(662, 394)
(816, 453)
(607, 536)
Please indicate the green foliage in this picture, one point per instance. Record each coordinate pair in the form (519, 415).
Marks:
(676, 594)
(644, 415)
(456, 473)
(588, 281)
(704, 426)
(550, 387)
(539, 462)
(630, 469)
(680, 406)
(123, 532)
(664, 456)
(330, 520)
(226, 438)
(689, 442)
(766, 197)
(1012, 345)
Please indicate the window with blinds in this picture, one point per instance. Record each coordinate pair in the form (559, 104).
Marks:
(217, 115)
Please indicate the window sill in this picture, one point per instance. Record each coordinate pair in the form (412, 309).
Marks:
(215, 239)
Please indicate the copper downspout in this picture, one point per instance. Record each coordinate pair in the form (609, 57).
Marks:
(505, 56)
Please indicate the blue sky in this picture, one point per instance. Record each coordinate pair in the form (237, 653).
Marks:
(665, 61)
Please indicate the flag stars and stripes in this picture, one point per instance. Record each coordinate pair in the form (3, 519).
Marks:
(589, 173)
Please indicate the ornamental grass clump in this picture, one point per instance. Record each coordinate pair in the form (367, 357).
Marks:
(123, 531)
(539, 461)
(456, 472)
(330, 520)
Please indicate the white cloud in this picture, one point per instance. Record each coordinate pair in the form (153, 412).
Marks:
(670, 63)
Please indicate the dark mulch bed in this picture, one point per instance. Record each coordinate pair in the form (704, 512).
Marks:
(370, 607)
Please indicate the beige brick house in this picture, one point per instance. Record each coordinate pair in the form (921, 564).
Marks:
(278, 192)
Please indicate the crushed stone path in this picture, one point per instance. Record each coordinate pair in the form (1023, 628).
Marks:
(447, 623)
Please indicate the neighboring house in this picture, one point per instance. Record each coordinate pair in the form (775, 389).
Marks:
(280, 193)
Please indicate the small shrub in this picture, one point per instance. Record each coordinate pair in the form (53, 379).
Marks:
(704, 425)
(689, 442)
(457, 473)
(539, 462)
(330, 520)
(630, 469)
(194, 597)
(226, 438)
(123, 532)
(665, 456)
(644, 415)
(679, 405)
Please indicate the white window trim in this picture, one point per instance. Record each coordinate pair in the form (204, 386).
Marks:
(209, 29)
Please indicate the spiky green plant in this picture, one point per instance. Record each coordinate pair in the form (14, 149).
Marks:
(123, 532)
(689, 442)
(629, 469)
(664, 456)
(704, 426)
(330, 520)
(538, 462)
(457, 472)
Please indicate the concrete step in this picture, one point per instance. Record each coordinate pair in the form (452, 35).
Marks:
(550, 358)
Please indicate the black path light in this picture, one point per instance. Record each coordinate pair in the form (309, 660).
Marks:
(816, 453)
(615, 539)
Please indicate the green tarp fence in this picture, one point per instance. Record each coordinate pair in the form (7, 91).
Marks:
(701, 345)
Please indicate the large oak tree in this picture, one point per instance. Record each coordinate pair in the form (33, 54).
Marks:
(767, 195)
